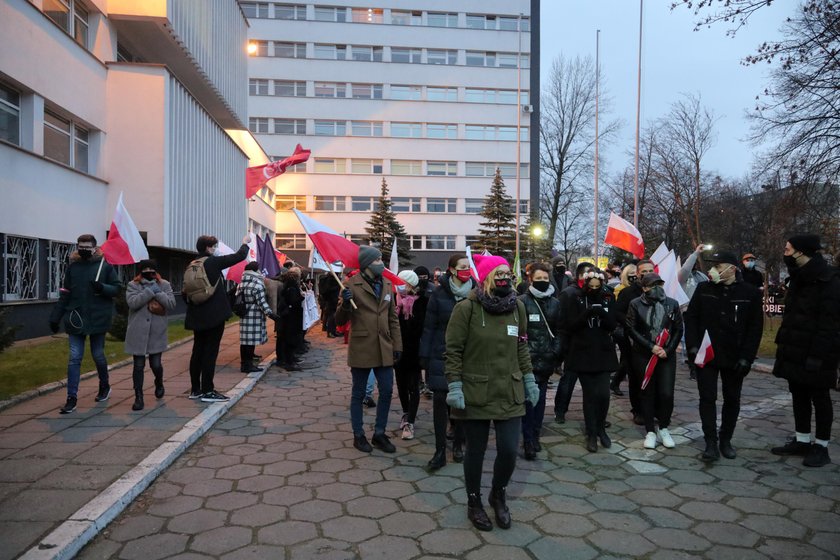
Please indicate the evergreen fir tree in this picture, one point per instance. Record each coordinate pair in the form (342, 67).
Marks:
(497, 233)
(383, 226)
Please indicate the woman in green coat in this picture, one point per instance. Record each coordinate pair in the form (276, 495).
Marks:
(488, 368)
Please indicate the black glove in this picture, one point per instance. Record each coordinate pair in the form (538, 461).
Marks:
(54, 326)
(691, 354)
(346, 296)
(397, 356)
(692, 370)
(97, 286)
(743, 367)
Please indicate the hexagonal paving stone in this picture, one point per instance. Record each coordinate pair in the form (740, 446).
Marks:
(772, 526)
(260, 483)
(350, 529)
(258, 515)
(189, 474)
(758, 505)
(170, 507)
(566, 504)
(231, 501)
(205, 488)
(390, 489)
(496, 552)
(630, 522)
(195, 522)
(315, 510)
(425, 502)
(803, 500)
(449, 541)
(154, 547)
(221, 540)
(709, 511)
(331, 465)
(218, 461)
(287, 533)
(621, 543)
(255, 552)
(284, 468)
(360, 476)
(727, 534)
(676, 539)
(287, 495)
(126, 529)
(369, 506)
(339, 492)
(612, 503)
(407, 524)
(565, 524)
(387, 547)
(237, 472)
(549, 548)
(322, 549)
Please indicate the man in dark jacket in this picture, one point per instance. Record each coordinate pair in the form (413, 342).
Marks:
(328, 290)
(87, 298)
(731, 312)
(559, 279)
(750, 274)
(290, 320)
(207, 319)
(808, 346)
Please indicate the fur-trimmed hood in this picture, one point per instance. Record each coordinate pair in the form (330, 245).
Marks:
(97, 255)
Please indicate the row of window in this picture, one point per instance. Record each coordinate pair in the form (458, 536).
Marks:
(71, 16)
(22, 273)
(265, 10)
(287, 241)
(65, 140)
(414, 167)
(402, 92)
(400, 204)
(446, 131)
(368, 53)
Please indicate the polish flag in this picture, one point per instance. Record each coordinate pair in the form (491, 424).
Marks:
(706, 354)
(394, 263)
(235, 272)
(256, 177)
(124, 244)
(622, 234)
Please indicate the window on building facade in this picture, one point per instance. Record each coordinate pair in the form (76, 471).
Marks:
(330, 128)
(289, 50)
(438, 19)
(439, 130)
(65, 141)
(329, 203)
(415, 242)
(406, 93)
(473, 206)
(288, 88)
(289, 11)
(406, 130)
(503, 96)
(71, 16)
(57, 261)
(257, 87)
(440, 205)
(359, 165)
(367, 15)
(440, 56)
(488, 169)
(510, 23)
(290, 241)
(329, 13)
(254, 9)
(441, 94)
(367, 54)
(442, 168)
(405, 54)
(481, 58)
(473, 241)
(290, 126)
(286, 202)
(262, 48)
(440, 242)
(363, 203)
(366, 91)
(330, 165)
(258, 125)
(406, 167)
(9, 115)
(331, 52)
(20, 262)
(405, 204)
(366, 128)
(475, 21)
(406, 18)
(330, 89)
(508, 60)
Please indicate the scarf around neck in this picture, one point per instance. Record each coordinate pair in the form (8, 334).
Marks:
(459, 292)
(541, 295)
(405, 308)
(495, 305)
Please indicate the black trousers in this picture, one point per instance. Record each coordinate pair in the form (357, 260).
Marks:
(477, 433)
(408, 387)
(707, 386)
(565, 388)
(140, 366)
(205, 351)
(596, 400)
(657, 399)
(246, 354)
(440, 417)
(624, 362)
(806, 397)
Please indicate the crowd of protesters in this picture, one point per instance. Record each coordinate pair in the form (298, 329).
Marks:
(486, 346)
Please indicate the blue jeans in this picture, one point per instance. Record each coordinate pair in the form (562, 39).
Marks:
(77, 352)
(385, 381)
(371, 381)
(533, 420)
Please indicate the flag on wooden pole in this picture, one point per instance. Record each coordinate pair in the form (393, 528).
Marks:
(124, 244)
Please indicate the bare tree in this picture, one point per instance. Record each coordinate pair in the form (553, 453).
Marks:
(737, 12)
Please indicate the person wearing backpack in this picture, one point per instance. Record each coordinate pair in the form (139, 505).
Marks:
(207, 310)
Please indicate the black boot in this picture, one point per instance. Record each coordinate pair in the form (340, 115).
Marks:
(711, 452)
(591, 443)
(498, 503)
(726, 449)
(159, 390)
(138, 400)
(476, 513)
(605, 440)
(817, 457)
(438, 460)
(248, 367)
(530, 453)
(457, 451)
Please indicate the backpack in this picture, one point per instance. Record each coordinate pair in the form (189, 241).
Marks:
(197, 287)
(236, 297)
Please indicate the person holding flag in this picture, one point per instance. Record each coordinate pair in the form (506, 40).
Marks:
(86, 303)
(729, 312)
(651, 318)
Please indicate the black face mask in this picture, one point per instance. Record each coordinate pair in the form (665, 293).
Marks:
(790, 261)
(86, 254)
(422, 285)
(542, 285)
(503, 286)
(152, 275)
(632, 279)
(560, 269)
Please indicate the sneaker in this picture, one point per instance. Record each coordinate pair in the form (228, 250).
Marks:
(665, 437)
(369, 402)
(194, 395)
(793, 447)
(213, 396)
(361, 443)
(650, 440)
(383, 443)
(817, 457)
(69, 406)
(103, 394)
(403, 421)
(408, 431)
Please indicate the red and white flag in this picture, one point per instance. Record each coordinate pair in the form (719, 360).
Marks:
(124, 244)
(235, 272)
(256, 177)
(706, 353)
(394, 263)
(622, 234)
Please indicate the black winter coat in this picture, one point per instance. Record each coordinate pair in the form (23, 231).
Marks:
(734, 318)
(412, 331)
(753, 277)
(543, 347)
(639, 330)
(622, 304)
(216, 310)
(433, 341)
(808, 341)
(591, 348)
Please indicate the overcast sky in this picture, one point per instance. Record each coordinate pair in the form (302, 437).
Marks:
(675, 59)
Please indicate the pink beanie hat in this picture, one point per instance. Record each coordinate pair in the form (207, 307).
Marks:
(485, 263)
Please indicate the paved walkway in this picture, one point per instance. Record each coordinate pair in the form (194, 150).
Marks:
(51, 465)
(278, 478)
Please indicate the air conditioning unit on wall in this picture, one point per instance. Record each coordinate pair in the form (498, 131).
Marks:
(527, 108)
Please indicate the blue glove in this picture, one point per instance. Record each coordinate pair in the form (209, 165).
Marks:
(455, 396)
(155, 288)
(397, 356)
(532, 391)
(346, 296)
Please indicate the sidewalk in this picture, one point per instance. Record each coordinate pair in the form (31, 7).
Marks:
(279, 478)
(52, 465)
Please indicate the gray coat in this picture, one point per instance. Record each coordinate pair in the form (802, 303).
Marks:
(146, 332)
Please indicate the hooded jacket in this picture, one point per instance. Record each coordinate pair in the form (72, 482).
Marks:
(85, 312)
(543, 333)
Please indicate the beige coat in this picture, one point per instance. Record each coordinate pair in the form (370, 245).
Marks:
(374, 327)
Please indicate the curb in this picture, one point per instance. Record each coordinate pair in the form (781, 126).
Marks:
(55, 385)
(82, 526)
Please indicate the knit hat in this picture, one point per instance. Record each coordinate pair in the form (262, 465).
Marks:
(485, 263)
(422, 271)
(148, 263)
(724, 257)
(409, 277)
(367, 255)
(651, 279)
(807, 243)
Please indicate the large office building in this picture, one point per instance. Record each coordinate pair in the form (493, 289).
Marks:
(421, 93)
(102, 97)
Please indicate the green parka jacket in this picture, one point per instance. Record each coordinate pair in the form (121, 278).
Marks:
(489, 354)
(85, 312)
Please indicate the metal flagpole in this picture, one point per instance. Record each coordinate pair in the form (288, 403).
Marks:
(638, 114)
(597, 99)
(518, 135)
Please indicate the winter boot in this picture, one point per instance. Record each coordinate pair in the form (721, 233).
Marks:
(498, 502)
(476, 514)
(138, 400)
